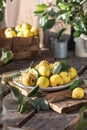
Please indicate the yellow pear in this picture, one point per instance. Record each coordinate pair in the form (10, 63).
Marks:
(34, 71)
(65, 77)
(37, 67)
(27, 33)
(44, 63)
(44, 71)
(72, 72)
(28, 79)
(50, 65)
(7, 30)
(78, 93)
(43, 82)
(9, 33)
(20, 34)
(56, 80)
(25, 26)
(18, 28)
(35, 30)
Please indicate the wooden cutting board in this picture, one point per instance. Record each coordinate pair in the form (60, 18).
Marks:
(60, 101)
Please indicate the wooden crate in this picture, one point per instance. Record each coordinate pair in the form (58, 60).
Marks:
(23, 48)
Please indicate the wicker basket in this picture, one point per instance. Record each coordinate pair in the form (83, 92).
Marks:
(23, 48)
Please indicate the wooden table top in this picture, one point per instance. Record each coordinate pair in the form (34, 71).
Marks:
(42, 120)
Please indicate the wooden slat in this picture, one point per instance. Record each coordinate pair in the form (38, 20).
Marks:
(12, 128)
(62, 102)
(4, 90)
(49, 120)
(12, 117)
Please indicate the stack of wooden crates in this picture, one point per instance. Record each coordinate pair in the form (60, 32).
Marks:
(22, 48)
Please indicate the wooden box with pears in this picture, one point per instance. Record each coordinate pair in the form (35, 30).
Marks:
(22, 40)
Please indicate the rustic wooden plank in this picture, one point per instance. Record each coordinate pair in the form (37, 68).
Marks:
(12, 117)
(4, 90)
(12, 128)
(62, 102)
(49, 120)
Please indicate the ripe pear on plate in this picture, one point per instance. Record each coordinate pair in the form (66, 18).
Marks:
(56, 80)
(65, 77)
(43, 82)
(44, 71)
(28, 79)
(72, 72)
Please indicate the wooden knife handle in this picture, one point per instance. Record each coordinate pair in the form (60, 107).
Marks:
(82, 70)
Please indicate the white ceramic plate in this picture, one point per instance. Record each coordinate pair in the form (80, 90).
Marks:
(18, 83)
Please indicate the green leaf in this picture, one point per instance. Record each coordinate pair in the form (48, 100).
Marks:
(40, 9)
(43, 20)
(2, 4)
(49, 24)
(85, 92)
(34, 104)
(6, 56)
(63, 5)
(85, 81)
(59, 1)
(82, 111)
(21, 108)
(64, 15)
(24, 107)
(18, 96)
(82, 125)
(56, 69)
(60, 33)
(1, 15)
(75, 84)
(42, 103)
(52, 12)
(76, 34)
(33, 91)
(64, 65)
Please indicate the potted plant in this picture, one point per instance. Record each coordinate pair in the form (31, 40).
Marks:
(70, 11)
(59, 45)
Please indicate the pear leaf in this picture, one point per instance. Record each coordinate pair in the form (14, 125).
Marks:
(6, 56)
(75, 84)
(64, 65)
(56, 69)
(33, 91)
(16, 93)
(42, 103)
(60, 33)
(85, 81)
(34, 104)
(82, 111)
(82, 125)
